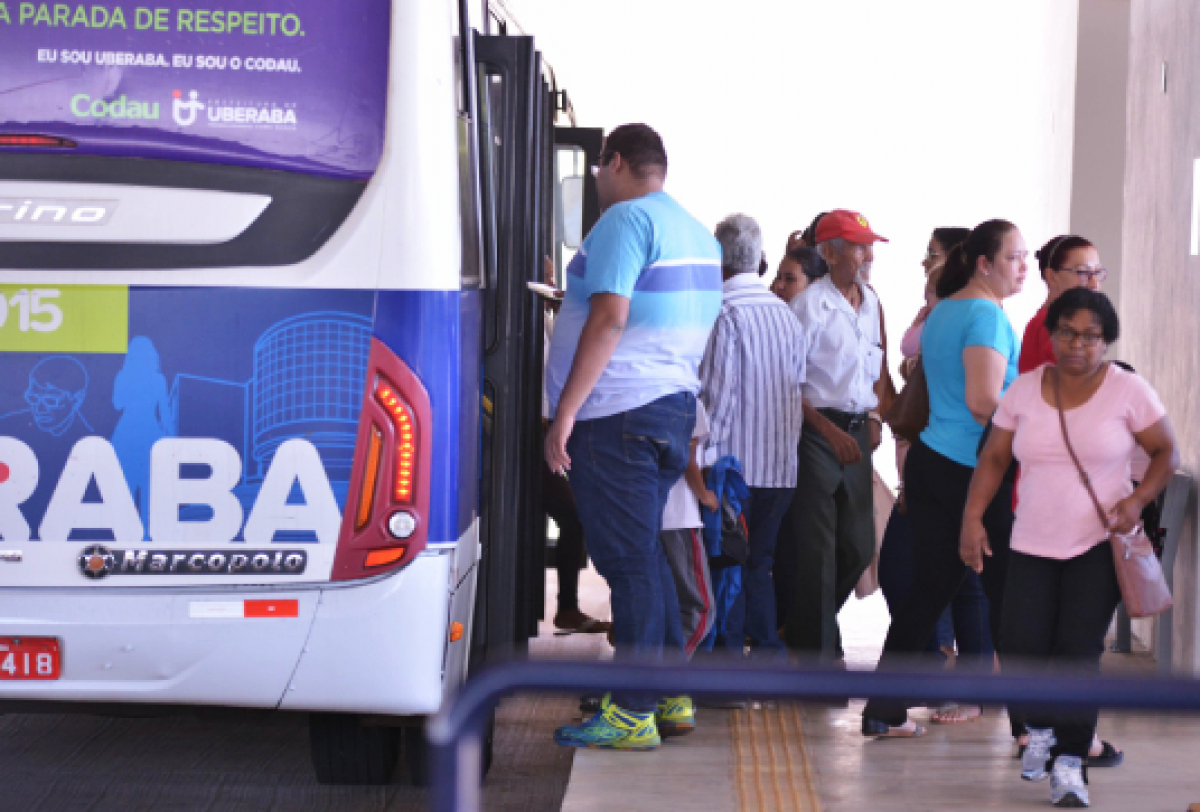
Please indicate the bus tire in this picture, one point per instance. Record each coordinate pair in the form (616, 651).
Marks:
(417, 758)
(345, 751)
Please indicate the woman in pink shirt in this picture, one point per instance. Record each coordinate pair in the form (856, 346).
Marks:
(1062, 588)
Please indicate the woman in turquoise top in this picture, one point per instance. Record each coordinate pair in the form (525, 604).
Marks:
(969, 351)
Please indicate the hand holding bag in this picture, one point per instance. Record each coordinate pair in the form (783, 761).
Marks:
(1144, 589)
(909, 414)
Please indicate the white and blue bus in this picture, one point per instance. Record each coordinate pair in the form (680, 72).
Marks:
(269, 419)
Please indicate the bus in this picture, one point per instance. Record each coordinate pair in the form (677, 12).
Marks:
(270, 419)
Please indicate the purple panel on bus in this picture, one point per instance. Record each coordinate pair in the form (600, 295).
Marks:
(296, 85)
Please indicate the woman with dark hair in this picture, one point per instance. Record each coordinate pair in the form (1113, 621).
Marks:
(799, 268)
(969, 353)
(1067, 261)
(1062, 587)
(962, 629)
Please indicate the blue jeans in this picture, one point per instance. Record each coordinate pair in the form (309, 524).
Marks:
(622, 468)
(753, 613)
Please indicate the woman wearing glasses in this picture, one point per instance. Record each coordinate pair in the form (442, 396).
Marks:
(1067, 261)
(1062, 589)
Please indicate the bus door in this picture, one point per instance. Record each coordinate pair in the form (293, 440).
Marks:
(515, 120)
(576, 204)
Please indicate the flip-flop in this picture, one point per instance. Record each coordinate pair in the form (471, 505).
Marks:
(1109, 757)
(966, 713)
(875, 729)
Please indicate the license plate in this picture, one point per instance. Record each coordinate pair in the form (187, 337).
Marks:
(28, 658)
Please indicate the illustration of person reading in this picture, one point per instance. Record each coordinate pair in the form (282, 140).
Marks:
(140, 395)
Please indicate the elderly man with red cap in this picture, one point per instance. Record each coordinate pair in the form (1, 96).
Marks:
(830, 524)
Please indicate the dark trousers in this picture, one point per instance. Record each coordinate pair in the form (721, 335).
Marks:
(753, 612)
(829, 531)
(622, 468)
(966, 621)
(570, 556)
(1056, 614)
(936, 491)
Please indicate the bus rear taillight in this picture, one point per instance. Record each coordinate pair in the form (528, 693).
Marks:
(387, 507)
(406, 438)
(46, 141)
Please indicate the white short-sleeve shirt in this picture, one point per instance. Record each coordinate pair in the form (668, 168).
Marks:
(682, 510)
(845, 347)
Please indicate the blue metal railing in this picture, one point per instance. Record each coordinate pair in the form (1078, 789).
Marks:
(456, 733)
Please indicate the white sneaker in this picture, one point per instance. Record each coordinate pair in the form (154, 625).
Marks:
(1066, 785)
(1037, 754)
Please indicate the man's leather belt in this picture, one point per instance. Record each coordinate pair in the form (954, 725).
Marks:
(846, 421)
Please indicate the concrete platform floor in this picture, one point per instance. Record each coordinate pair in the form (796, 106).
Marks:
(788, 758)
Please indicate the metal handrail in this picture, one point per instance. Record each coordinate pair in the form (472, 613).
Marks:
(456, 732)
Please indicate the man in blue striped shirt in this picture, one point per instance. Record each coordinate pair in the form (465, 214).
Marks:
(750, 383)
(641, 298)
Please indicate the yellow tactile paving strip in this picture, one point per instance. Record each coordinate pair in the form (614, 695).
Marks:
(772, 770)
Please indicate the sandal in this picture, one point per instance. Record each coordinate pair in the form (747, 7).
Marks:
(1109, 757)
(954, 714)
(875, 729)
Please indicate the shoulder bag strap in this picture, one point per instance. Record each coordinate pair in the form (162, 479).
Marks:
(1083, 477)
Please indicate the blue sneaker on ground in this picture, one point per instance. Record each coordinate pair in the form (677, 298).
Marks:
(612, 728)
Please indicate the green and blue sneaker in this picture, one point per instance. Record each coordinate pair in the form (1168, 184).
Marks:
(612, 728)
(675, 716)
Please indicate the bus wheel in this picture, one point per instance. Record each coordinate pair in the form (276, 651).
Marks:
(345, 751)
(416, 756)
(416, 753)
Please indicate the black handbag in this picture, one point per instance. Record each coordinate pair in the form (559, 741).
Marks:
(735, 539)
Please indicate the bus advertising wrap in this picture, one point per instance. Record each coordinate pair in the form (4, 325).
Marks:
(165, 453)
(277, 84)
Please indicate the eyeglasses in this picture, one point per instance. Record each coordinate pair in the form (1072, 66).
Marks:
(602, 160)
(933, 254)
(1068, 336)
(1086, 273)
(53, 400)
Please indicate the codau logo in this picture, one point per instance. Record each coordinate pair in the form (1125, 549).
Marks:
(84, 106)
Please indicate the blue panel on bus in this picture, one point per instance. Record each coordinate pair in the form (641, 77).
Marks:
(241, 373)
(436, 333)
(281, 84)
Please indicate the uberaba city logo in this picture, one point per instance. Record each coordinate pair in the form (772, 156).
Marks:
(122, 107)
(231, 114)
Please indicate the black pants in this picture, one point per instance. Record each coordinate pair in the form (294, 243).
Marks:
(826, 541)
(935, 488)
(1056, 614)
(570, 556)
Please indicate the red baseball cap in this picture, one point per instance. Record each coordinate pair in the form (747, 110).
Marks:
(849, 225)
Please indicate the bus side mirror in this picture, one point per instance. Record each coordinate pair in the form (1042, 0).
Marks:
(570, 211)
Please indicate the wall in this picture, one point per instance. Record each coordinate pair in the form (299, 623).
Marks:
(1098, 179)
(918, 114)
(1160, 297)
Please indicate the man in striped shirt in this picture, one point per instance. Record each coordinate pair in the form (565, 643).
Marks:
(750, 383)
